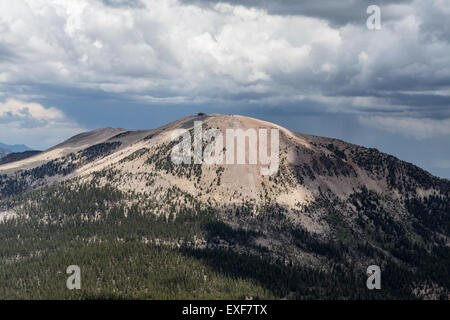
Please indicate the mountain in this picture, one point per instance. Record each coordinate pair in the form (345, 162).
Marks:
(4, 152)
(15, 148)
(6, 149)
(113, 202)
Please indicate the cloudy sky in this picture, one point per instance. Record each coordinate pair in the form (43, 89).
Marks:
(68, 66)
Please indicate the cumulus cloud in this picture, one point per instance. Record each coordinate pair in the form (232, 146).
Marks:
(267, 53)
(34, 123)
(29, 111)
(166, 48)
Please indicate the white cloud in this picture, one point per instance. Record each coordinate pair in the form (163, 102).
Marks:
(167, 46)
(28, 110)
(34, 124)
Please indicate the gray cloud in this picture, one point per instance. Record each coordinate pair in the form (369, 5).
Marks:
(337, 13)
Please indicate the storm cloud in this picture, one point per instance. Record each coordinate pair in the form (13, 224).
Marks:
(337, 13)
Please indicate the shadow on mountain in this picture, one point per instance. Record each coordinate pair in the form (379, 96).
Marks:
(217, 230)
(293, 282)
(17, 156)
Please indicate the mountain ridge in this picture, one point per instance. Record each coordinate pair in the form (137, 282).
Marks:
(15, 147)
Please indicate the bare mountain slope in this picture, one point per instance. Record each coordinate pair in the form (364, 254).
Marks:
(309, 165)
(74, 144)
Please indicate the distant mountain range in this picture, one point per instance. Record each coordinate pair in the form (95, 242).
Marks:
(139, 226)
(15, 147)
(4, 152)
(10, 153)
